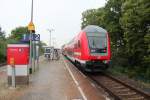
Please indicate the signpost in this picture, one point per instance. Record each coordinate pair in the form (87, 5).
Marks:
(31, 28)
(32, 37)
(37, 53)
(13, 81)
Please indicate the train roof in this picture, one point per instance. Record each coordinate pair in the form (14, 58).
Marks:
(94, 29)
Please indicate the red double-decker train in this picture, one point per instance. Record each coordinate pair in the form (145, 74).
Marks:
(90, 48)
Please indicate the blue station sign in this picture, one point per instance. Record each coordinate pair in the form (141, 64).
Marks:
(34, 37)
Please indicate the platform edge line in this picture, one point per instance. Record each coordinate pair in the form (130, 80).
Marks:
(79, 88)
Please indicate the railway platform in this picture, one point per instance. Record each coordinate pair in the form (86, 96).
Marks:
(54, 80)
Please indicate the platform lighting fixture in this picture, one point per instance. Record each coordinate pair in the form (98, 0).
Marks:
(50, 31)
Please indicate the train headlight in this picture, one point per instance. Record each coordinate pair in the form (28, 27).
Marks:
(93, 51)
(105, 61)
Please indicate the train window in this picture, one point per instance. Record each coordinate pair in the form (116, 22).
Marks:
(75, 46)
(79, 44)
(97, 42)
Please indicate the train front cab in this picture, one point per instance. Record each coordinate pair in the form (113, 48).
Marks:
(96, 55)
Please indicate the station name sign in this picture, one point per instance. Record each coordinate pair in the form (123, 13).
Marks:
(34, 37)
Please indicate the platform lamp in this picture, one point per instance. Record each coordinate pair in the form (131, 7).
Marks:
(50, 31)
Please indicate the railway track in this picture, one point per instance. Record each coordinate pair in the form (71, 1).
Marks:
(119, 90)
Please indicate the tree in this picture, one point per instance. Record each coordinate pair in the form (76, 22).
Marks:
(135, 22)
(41, 45)
(147, 56)
(2, 33)
(111, 17)
(89, 17)
(93, 17)
(2, 45)
(16, 34)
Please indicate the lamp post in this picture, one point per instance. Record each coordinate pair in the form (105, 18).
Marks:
(50, 31)
(32, 11)
(53, 41)
(31, 28)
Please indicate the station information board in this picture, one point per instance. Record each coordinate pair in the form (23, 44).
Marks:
(26, 37)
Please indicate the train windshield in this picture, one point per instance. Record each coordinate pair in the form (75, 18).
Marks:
(97, 43)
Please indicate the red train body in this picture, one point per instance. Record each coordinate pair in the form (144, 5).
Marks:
(90, 48)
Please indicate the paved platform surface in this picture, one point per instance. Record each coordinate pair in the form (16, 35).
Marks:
(52, 81)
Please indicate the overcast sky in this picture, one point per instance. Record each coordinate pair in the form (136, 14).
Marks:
(64, 16)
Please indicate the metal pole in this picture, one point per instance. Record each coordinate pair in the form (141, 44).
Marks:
(50, 30)
(30, 69)
(37, 55)
(33, 43)
(50, 39)
(32, 11)
(34, 55)
(13, 76)
(31, 39)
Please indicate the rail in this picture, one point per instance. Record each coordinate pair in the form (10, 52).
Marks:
(118, 89)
